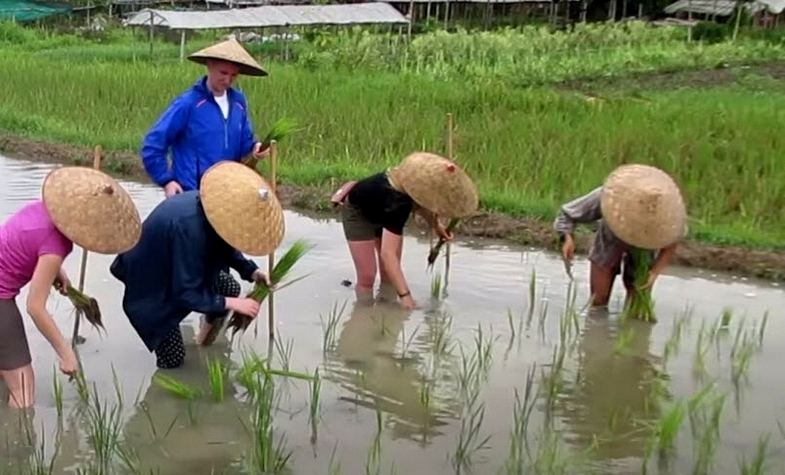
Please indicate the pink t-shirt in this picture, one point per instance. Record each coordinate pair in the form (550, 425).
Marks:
(26, 235)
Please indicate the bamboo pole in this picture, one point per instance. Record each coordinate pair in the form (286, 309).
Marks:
(83, 266)
(451, 156)
(271, 257)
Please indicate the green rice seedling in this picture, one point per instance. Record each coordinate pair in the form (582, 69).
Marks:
(519, 435)
(330, 327)
(281, 128)
(510, 319)
(373, 462)
(484, 350)
(624, 341)
(267, 455)
(176, 387)
(103, 433)
(84, 305)
(741, 360)
(666, 428)
(762, 329)
(699, 357)
(725, 319)
(407, 342)
(757, 465)
(82, 389)
(434, 252)
(215, 375)
(640, 304)
(37, 463)
(153, 430)
(532, 297)
(709, 437)
(118, 390)
(58, 394)
(436, 285)
(543, 317)
(260, 291)
(314, 404)
(470, 440)
(284, 351)
(468, 373)
(440, 335)
(334, 467)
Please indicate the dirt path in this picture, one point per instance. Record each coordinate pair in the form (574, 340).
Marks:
(757, 263)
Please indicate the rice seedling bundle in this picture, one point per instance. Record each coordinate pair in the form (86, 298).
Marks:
(640, 305)
(84, 305)
(260, 290)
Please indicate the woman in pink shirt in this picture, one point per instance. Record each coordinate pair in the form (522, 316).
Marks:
(80, 205)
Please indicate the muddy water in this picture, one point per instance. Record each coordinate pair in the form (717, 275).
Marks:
(382, 358)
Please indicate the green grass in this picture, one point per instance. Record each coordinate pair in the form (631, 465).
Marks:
(529, 149)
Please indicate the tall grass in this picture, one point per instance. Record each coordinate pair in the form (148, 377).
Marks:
(528, 149)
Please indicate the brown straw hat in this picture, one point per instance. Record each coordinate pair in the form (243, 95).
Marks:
(437, 184)
(643, 207)
(91, 209)
(242, 208)
(232, 51)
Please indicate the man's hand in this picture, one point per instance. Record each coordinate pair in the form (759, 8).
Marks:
(260, 277)
(259, 152)
(568, 248)
(172, 188)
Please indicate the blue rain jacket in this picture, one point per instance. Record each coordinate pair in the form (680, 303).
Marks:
(173, 268)
(198, 135)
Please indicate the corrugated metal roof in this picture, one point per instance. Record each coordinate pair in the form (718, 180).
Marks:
(710, 7)
(481, 2)
(271, 15)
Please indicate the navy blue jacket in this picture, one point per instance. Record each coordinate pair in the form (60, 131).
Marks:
(198, 135)
(173, 268)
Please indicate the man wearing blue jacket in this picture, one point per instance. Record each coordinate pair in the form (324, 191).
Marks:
(205, 124)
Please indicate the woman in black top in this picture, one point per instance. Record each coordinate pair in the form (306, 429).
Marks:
(376, 209)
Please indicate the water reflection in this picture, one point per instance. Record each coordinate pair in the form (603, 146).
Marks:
(612, 399)
(373, 361)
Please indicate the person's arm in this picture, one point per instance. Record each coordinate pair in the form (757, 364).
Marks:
(391, 263)
(663, 260)
(433, 221)
(46, 271)
(159, 138)
(249, 142)
(585, 209)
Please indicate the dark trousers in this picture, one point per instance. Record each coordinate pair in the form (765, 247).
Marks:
(171, 351)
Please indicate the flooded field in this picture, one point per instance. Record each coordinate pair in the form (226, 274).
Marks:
(502, 371)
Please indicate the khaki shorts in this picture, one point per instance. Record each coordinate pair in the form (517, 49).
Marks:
(14, 351)
(356, 227)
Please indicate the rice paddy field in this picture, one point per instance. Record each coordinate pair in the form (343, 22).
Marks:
(501, 369)
(541, 117)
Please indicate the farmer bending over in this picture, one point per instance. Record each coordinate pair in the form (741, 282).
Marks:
(186, 241)
(375, 210)
(638, 206)
(82, 206)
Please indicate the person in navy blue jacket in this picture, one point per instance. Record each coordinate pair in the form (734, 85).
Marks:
(205, 124)
(185, 243)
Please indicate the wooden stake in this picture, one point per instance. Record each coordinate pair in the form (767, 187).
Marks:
(451, 156)
(271, 257)
(83, 266)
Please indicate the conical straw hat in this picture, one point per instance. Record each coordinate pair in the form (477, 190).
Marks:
(91, 209)
(232, 51)
(437, 184)
(242, 208)
(643, 207)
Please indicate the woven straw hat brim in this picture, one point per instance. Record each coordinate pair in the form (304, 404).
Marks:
(91, 209)
(233, 52)
(437, 184)
(643, 207)
(242, 208)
